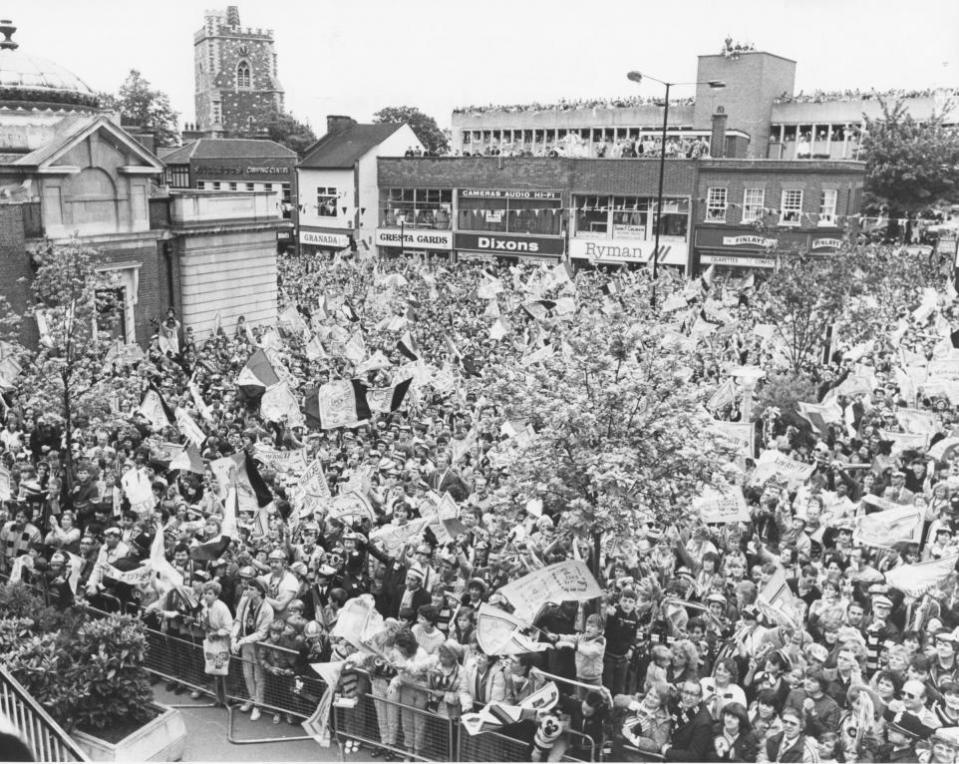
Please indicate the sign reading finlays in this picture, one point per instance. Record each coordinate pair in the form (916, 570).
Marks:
(753, 241)
(826, 243)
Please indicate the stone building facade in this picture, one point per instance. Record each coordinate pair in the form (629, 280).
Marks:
(235, 74)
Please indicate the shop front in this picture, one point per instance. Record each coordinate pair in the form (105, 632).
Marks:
(413, 241)
(514, 247)
(741, 249)
(631, 252)
(317, 241)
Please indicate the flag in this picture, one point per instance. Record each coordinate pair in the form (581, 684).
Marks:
(943, 449)
(916, 421)
(318, 725)
(252, 492)
(387, 399)
(707, 278)
(341, 403)
(155, 409)
(278, 404)
(257, 375)
(492, 309)
(357, 621)
(539, 309)
(315, 350)
(777, 602)
(198, 401)
(351, 506)
(355, 348)
(165, 576)
(917, 579)
(188, 460)
(725, 395)
(889, 526)
(407, 347)
(495, 714)
(500, 633)
(819, 417)
(189, 428)
(43, 327)
(451, 346)
(499, 329)
(375, 362)
(489, 287)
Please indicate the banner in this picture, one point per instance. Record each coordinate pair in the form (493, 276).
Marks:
(313, 481)
(351, 506)
(567, 580)
(916, 421)
(904, 441)
(776, 464)
(943, 448)
(740, 433)
(725, 395)
(357, 621)
(394, 537)
(189, 428)
(917, 579)
(139, 576)
(889, 526)
(281, 461)
(318, 725)
(947, 368)
(777, 602)
(722, 506)
(495, 715)
(499, 633)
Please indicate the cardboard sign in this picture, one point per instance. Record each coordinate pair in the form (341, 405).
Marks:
(722, 506)
(567, 580)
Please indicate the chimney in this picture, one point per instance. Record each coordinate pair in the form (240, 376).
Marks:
(717, 141)
(233, 16)
(337, 123)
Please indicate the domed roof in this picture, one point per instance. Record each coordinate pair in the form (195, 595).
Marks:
(32, 81)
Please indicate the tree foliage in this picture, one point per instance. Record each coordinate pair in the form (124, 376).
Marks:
(286, 130)
(74, 300)
(140, 104)
(425, 127)
(910, 165)
(808, 296)
(621, 431)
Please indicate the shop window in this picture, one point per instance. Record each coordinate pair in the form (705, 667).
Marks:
(201, 185)
(791, 212)
(499, 211)
(716, 205)
(326, 202)
(232, 185)
(285, 193)
(753, 201)
(267, 186)
(216, 185)
(244, 76)
(250, 186)
(674, 222)
(827, 206)
(592, 215)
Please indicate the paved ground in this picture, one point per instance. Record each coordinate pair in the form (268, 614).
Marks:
(207, 735)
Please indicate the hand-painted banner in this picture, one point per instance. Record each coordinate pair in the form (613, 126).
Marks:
(563, 581)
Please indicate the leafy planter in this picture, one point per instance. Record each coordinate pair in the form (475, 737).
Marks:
(163, 738)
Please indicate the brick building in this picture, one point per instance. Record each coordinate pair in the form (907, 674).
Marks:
(235, 71)
(603, 211)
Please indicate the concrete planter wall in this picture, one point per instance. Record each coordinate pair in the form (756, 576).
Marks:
(160, 739)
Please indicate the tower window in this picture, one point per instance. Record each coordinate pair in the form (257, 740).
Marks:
(244, 78)
(217, 113)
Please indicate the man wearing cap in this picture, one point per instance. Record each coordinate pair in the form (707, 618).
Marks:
(944, 665)
(112, 550)
(281, 585)
(412, 595)
(251, 625)
(897, 492)
(901, 738)
(878, 630)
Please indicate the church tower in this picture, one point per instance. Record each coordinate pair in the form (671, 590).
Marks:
(235, 73)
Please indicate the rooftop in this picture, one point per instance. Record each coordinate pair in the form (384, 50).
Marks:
(341, 149)
(228, 148)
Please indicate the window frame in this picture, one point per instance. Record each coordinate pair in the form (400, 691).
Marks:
(712, 207)
(830, 218)
(786, 215)
(325, 196)
(756, 209)
(244, 75)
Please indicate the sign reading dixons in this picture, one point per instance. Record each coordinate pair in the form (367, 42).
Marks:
(509, 244)
(418, 239)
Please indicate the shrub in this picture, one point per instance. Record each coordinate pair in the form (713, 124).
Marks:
(88, 674)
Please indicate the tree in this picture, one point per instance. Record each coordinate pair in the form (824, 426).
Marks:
(425, 127)
(809, 296)
(910, 165)
(621, 431)
(72, 299)
(286, 130)
(139, 104)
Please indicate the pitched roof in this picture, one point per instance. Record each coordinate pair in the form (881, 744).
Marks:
(338, 151)
(229, 148)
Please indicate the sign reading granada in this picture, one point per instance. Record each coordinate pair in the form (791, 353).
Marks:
(425, 239)
(324, 239)
(509, 244)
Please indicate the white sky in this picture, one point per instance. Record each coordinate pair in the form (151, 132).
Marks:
(356, 56)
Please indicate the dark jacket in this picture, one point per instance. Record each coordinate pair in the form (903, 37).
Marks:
(692, 738)
(792, 754)
(744, 749)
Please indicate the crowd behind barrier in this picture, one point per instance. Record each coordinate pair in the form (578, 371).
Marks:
(347, 573)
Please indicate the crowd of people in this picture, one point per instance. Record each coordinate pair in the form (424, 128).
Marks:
(855, 94)
(575, 104)
(691, 654)
(572, 145)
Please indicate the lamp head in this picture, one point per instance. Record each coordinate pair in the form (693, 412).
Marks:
(716, 84)
(634, 76)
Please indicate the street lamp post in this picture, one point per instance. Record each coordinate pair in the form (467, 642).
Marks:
(638, 77)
